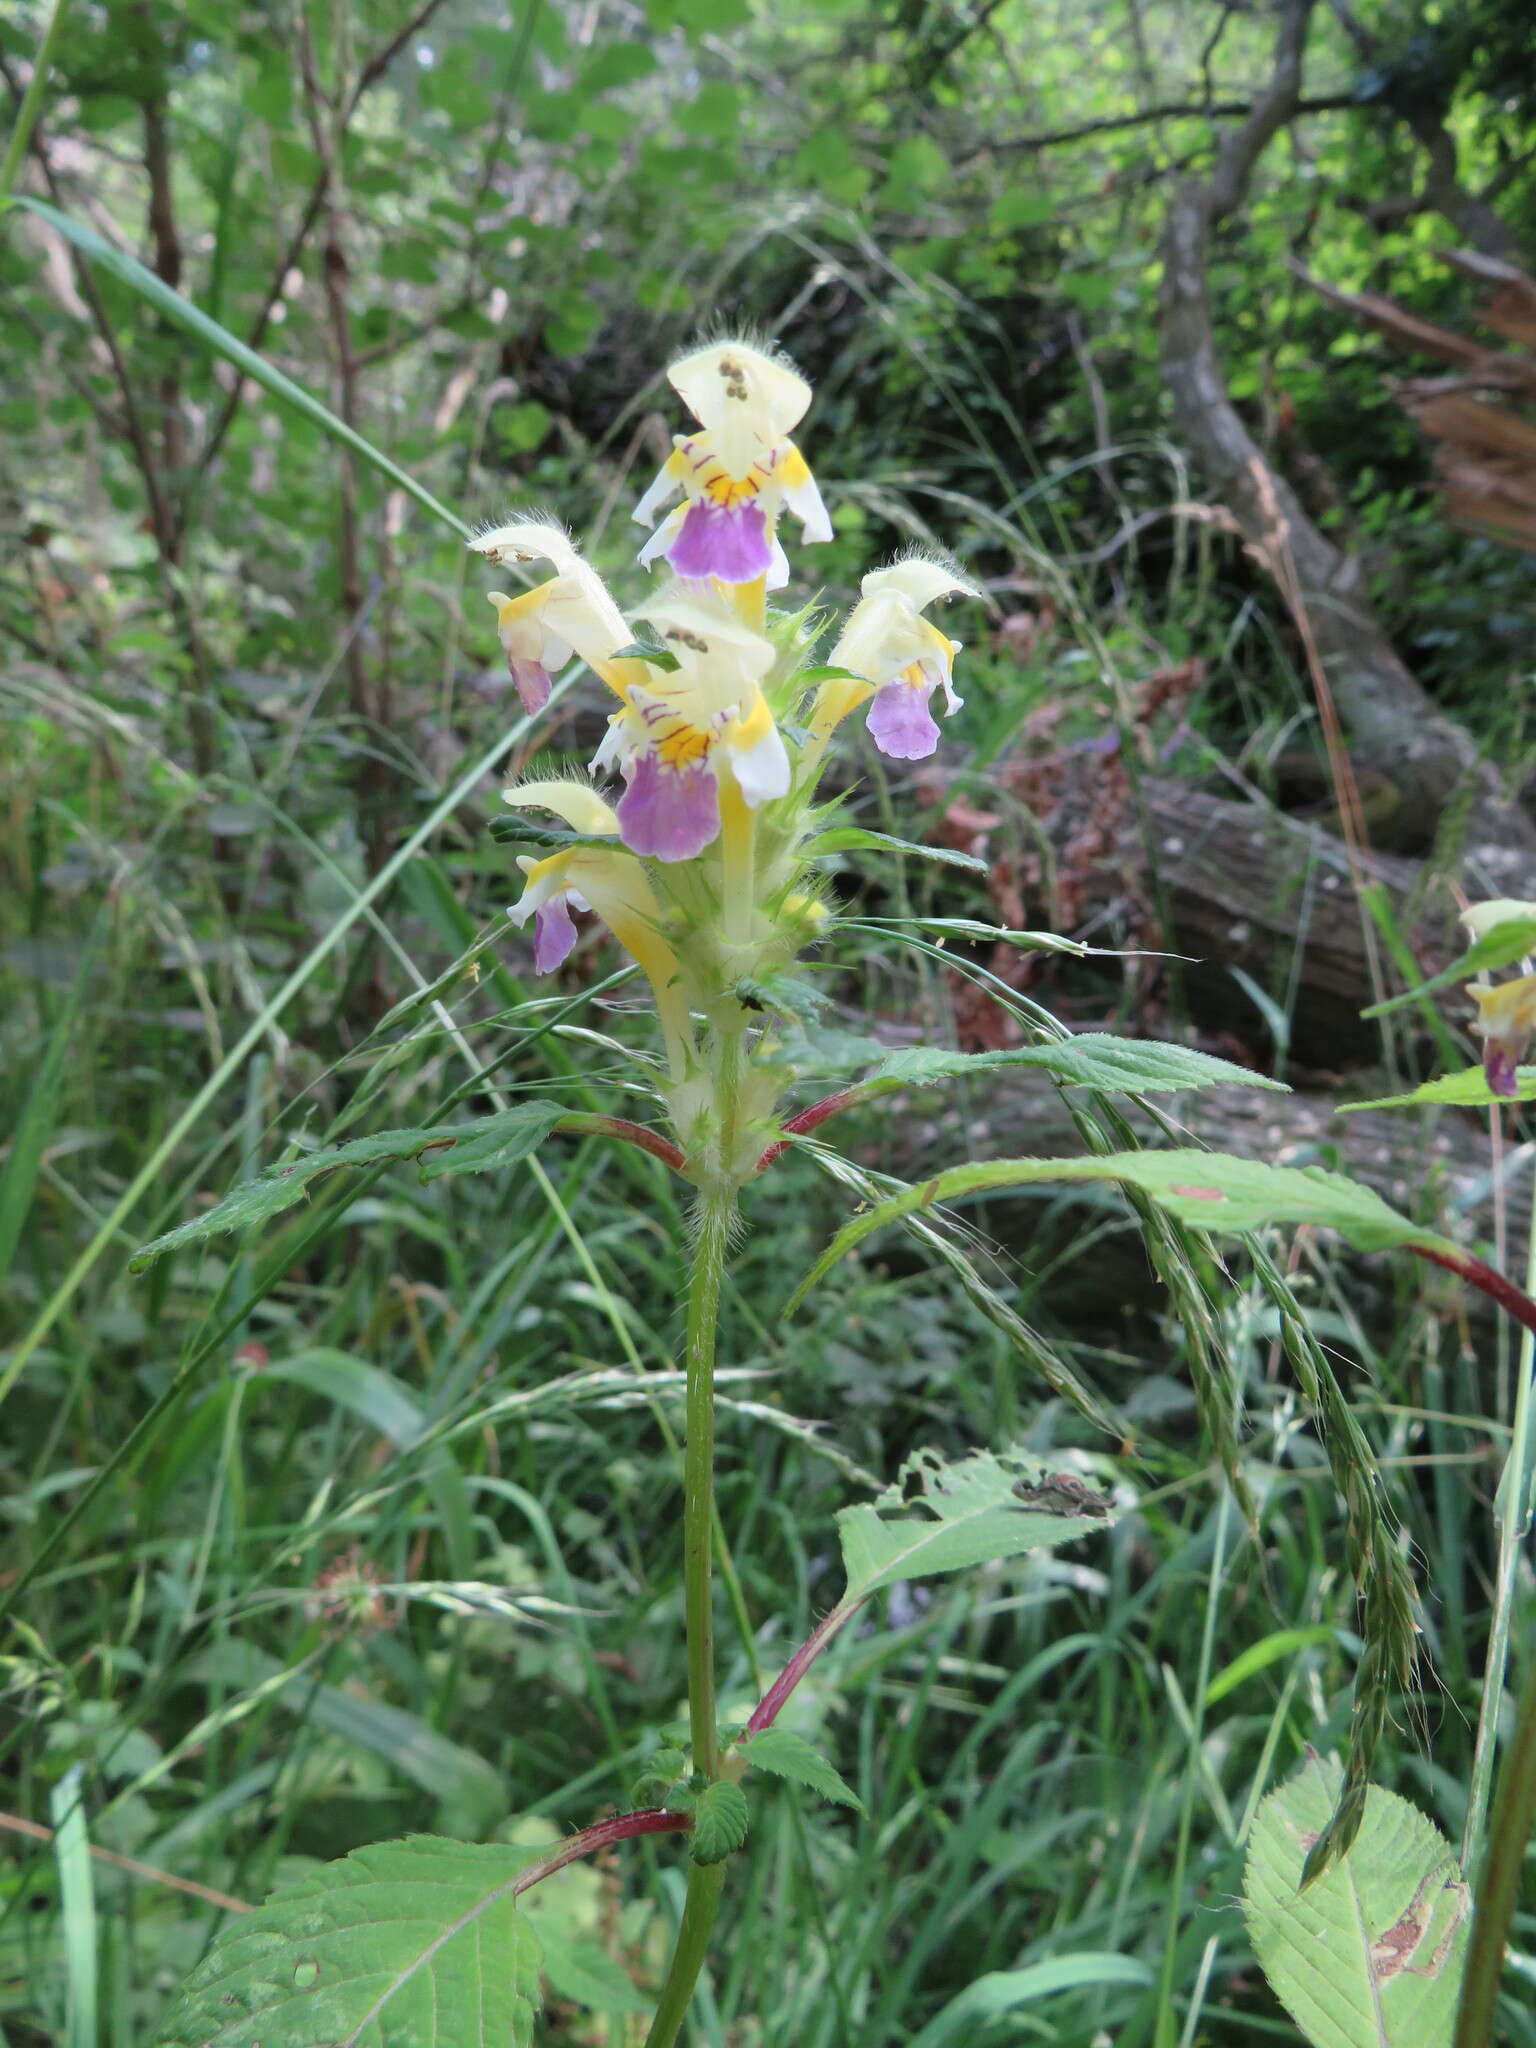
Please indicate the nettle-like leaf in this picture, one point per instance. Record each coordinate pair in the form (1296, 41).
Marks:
(1205, 1190)
(1501, 946)
(1467, 1089)
(418, 1941)
(1114, 1066)
(947, 1518)
(719, 1822)
(856, 839)
(786, 1755)
(1372, 1954)
(480, 1146)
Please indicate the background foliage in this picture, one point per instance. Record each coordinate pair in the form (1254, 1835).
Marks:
(359, 1528)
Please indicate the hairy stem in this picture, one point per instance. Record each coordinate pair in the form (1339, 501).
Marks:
(699, 1474)
(714, 1228)
(1510, 1510)
(705, 1883)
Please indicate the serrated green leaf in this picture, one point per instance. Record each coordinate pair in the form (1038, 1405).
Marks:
(1206, 1190)
(948, 1518)
(1372, 1954)
(418, 1941)
(854, 839)
(719, 1822)
(1468, 1089)
(1092, 1060)
(787, 1755)
(1499, 947)
(476, 1147)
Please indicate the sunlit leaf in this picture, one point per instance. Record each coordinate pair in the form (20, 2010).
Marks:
(1205, 1190)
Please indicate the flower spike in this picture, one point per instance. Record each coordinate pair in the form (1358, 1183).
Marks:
(736, 471)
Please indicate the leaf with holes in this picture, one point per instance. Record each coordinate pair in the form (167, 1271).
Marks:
(1205, 1190)
(486, 1143)
(1372, 1954)
(786, 1755)
(418, 1941)
(947, 1518)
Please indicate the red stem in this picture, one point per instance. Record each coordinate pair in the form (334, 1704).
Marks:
(1512, 1299)
(620, 1829)
(807, 1120)
(633, 1134)
(768, 1707)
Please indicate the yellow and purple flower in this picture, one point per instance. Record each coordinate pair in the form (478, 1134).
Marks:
(899, 658)
(1506, 1011)
(736, 472)
(571, 613)
(683, 732)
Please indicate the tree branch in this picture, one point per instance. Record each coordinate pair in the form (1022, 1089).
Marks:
(1180, 110)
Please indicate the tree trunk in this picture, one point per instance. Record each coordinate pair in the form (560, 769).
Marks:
(1396, 727)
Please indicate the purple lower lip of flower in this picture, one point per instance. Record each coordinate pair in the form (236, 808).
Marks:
(532, 680)
(669, 813)
(713, 540)
(900, 723)
(1499, 1067)
(553, 935)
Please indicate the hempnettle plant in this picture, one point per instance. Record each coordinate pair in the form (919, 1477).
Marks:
(700, 840)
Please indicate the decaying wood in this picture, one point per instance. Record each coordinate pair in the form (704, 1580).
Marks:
(1485, 453)
(1395, 725)
(1221, 882)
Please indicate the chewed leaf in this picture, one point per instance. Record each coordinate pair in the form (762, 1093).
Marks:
(948, 1518)
(1467, 1089)
(1499, 947)
(418, 1941)
(475, 1147)
(1372, 1954)
(1206, 1190)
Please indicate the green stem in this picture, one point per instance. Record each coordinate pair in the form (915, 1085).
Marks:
(705, 1882)
(32, 102)
(1513, 1491)
(714, 1229)
(1499, 1884)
